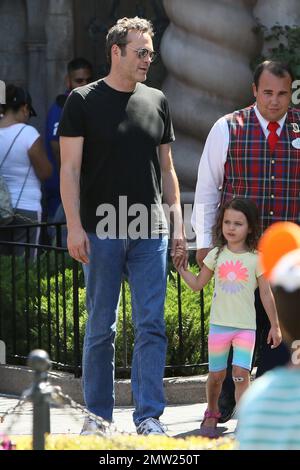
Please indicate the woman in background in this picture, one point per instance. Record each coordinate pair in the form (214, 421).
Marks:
(23, 165)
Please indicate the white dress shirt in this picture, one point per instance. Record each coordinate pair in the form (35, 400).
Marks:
(211, 177)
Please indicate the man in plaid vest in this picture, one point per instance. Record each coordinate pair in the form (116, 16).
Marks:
(254, 153)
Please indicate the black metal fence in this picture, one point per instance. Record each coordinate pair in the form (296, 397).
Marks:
(42, 305)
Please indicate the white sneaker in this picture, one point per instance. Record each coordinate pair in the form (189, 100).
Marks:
(151, 426)
(91, 427)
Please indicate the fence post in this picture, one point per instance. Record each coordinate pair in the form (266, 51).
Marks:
(77, 359)
(39, 361)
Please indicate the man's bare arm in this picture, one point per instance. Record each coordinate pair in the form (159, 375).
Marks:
(71, 158)
(171, 195)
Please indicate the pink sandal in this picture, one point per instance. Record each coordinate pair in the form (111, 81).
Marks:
(210, 431)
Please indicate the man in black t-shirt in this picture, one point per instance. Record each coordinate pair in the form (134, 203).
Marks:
(116, 162)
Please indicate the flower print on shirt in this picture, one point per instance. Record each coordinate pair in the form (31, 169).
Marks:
(232, 276)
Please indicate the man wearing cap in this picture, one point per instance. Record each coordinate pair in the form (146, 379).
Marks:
(254, 153)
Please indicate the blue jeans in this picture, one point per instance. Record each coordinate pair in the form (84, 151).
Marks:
(145, 263)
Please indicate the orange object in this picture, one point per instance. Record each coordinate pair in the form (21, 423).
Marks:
(277, 240)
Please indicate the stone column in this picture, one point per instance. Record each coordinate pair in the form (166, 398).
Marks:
(60, 45)
(36, 48)
(206, 49)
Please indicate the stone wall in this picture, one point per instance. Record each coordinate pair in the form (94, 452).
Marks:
(60, 44)
(39, 37)
(36, 42)
(277, 11)
(13, 60)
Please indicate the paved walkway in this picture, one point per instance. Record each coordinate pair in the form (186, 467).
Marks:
(181, 420)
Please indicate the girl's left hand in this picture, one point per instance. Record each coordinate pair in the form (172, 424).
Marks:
(274, 337)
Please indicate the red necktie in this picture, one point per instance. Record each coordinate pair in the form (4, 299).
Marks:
(272, 137)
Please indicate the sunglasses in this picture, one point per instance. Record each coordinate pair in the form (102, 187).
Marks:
(142, 53)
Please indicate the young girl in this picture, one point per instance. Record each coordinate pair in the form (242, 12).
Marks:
(234, 264)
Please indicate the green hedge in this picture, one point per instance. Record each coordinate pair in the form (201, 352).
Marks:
(46, 302)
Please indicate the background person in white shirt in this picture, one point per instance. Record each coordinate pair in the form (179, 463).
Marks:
(25, 166)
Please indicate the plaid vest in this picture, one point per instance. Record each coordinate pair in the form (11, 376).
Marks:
(271, 180)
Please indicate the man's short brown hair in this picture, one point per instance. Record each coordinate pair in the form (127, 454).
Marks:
(118, 32)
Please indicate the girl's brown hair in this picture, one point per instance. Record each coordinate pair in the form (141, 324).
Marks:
(250, 211)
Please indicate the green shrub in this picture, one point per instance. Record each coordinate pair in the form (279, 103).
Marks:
(46, 320)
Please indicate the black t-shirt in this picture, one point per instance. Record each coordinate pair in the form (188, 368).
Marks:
(122, 132)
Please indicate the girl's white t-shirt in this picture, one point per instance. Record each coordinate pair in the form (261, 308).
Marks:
(16, 165)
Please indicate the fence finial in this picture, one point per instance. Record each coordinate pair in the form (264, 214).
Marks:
(39, 361)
